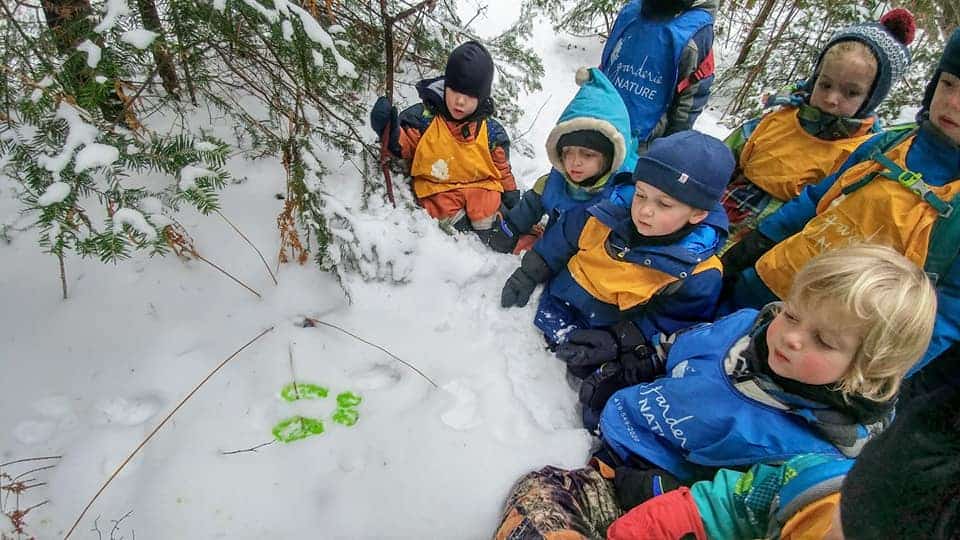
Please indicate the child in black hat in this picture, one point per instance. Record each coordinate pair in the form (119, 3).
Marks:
(459, 156)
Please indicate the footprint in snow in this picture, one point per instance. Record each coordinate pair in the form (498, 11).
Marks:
(34, 431)
(126, 412)
(464, 414)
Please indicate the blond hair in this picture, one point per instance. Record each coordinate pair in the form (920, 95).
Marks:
(839, 50)
(887, 297)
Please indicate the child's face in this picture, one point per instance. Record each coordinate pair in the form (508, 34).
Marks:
(945, 106)
(809, 346)
(655, 213)
(581, 163)
(844, 83)
(459, 105)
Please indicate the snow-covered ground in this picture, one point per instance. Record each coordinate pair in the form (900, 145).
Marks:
(88, 378)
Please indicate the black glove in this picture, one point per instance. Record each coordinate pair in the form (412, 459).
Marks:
(636, 486)
(503, 238)
(641, 365)
(588, 348)
(745, 253)
(596, 389)
(382, 114)
(520, 285)
(510, 198)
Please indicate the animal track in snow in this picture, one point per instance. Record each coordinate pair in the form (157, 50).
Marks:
(126, 412)
(463, 415)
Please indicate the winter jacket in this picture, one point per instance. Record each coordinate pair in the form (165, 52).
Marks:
(417, 119)
(605, 274)
(664, 92)
(598, 107)
(712, 409)
(795, 500)
(822, 217)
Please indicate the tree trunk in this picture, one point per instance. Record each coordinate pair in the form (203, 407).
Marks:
(754, 32)
(165, 68)
(70, 22)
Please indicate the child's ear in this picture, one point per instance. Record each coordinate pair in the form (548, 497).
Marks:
(698, 216)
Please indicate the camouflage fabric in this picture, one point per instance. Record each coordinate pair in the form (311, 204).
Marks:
(557, 504)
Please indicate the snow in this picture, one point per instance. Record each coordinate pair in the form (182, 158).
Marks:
(190, 174)
(79, 133)
(55, 193)
(114, 10)
(95, 155)
(139, 38)
(89, 377)
(92, 51)
(133, 218)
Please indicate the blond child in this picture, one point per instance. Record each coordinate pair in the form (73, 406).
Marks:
(818, 375)
(817, 126)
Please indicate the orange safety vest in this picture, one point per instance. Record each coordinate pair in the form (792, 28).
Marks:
(443, 163)
(880, 212)
(781, 158)
(616, 281)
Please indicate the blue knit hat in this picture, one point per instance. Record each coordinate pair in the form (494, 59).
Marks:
(949, 62)
(689, 166)
(888, 41)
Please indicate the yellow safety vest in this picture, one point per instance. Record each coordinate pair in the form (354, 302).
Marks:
(616, 281)
(881, 212)
(443, 163)
(780, 157)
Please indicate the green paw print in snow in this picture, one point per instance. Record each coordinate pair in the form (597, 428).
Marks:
(300, 427)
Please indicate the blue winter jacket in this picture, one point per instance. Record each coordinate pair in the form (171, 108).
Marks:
(708, 411)
(691, 300)
(938, 159)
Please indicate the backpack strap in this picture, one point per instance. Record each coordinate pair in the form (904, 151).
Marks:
(945, 241)
(704, 70)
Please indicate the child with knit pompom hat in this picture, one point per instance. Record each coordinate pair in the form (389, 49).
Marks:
(817, 126)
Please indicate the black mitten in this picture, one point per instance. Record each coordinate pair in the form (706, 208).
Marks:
(510, 198)
(636, 486)
(520, 285)
(382, 115)
(588, 347)
(745, 253)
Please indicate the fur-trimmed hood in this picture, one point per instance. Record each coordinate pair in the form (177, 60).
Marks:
(597, 106)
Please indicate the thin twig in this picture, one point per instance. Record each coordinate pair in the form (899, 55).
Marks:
(116, 523)
(63, 275)
(293, 372)
(537, 116)
(160, 425)
(7, 464)
(267, 266)
(37, 469)
(251, 449)
(228, 274)
(309, 321)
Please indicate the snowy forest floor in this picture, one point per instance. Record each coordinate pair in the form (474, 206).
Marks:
(88, 378)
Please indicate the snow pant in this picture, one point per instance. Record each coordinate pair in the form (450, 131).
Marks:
(480, 205)
(557, 504)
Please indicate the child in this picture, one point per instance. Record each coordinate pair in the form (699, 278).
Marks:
(588, 144)
(459, 154)
(818, 375)
(659, 55)
(903, 485)
(618, 276)
(893, 190)
(820, 124)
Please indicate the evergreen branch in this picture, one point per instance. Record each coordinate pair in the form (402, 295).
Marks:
(156, 429)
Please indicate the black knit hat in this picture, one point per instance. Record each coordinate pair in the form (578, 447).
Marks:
(949, 62)
(587, 138)
(888, 41)
(470, 70)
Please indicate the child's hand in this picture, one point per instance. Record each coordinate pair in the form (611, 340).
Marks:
(520, 285)
(588, 348)
(382, 115)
